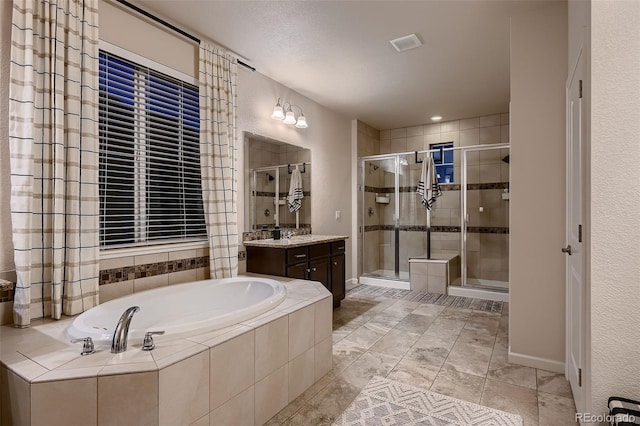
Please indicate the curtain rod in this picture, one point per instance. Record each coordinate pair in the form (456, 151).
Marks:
(172, 27)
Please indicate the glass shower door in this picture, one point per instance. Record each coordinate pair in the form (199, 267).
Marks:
(413, 217)
(379, 257)
(486, 226)
(264, 182)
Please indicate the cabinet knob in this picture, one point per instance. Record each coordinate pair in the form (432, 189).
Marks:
(314, 269)
(335, 263)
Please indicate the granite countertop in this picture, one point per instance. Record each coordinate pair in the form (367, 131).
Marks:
(296, 241)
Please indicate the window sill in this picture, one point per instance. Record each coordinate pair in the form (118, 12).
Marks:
(142, 250)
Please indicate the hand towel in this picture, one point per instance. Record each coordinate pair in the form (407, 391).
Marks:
(294, 199)
(428, 186)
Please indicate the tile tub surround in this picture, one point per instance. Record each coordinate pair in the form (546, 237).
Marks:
(241, 374)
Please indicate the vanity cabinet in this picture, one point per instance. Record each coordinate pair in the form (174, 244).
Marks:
(323, 262)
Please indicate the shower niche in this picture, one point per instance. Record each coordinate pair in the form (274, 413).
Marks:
(268, 167)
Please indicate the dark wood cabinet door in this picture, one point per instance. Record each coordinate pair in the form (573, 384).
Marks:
(320, 271)
(298, 271)
(338, 278)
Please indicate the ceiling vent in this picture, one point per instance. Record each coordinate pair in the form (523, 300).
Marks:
(406, 43)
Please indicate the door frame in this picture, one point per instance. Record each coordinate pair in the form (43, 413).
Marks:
(585, 251)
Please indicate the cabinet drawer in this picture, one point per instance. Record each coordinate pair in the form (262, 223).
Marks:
(297, 255)
(319, 250)
(338, 247)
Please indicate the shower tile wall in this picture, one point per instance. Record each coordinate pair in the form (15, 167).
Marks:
(369, 144)
(262, 154)
(488, 229)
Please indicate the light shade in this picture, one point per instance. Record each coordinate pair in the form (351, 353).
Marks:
(284, 111)
(290, 117)
(278, 112)
(302, 122)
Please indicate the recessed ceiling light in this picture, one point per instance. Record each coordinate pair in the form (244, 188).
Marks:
(408, 42)
(436, 117)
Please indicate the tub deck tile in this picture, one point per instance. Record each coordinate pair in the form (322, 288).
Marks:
(46, 341)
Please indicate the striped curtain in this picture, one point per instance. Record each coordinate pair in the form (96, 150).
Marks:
(53, 143)
(218, 158)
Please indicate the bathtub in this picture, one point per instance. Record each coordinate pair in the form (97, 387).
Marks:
(181, 309)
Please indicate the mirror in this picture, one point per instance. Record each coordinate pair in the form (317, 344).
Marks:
(268, 164)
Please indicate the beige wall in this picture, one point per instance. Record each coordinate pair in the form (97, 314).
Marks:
(328, 137)
(537, 210)
(615, 201)
(147, 38)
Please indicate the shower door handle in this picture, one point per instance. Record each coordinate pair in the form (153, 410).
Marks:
(567, 249)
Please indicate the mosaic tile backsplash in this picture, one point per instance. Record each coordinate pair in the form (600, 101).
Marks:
(6, 294)
(109, 276)
(260, 234)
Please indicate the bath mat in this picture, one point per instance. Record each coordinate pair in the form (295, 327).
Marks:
(385, 402)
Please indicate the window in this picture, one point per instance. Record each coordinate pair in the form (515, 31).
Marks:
(443, 161)
(150, 190)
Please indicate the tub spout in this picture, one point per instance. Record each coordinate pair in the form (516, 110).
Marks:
(119, 343)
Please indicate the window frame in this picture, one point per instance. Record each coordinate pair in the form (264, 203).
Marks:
(147, 246)
(441, 163)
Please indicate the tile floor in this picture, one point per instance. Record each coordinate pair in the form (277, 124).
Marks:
(453, 351)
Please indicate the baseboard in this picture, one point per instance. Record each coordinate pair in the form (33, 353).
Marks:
(477, 293)
(535, 362)
(351, 283)
(381, 282)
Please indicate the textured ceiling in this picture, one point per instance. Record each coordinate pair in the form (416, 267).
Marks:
(338, 53)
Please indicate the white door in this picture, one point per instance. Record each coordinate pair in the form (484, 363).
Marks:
(575, 283)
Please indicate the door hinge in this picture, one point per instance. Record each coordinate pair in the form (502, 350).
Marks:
(580, 377)
(579, 233)
(580, 89)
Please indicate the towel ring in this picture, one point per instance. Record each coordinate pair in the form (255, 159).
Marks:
(418, 161)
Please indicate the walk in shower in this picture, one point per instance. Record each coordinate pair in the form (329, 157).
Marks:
(468, 226)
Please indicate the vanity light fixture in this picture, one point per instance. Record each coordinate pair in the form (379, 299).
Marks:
(284, 111)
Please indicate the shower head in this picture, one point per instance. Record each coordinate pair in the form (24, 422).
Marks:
(269, 177)
(373, 166)
(506, 159)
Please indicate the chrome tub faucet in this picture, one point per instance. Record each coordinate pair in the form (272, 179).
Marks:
(119, 342)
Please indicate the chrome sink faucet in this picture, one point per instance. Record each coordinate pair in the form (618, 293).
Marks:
(119, 342)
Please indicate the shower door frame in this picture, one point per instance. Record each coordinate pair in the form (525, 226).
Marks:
(396, 212)
(464, 215)
(276, 207)
(463, 289)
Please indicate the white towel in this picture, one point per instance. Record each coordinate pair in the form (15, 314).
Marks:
(294, 199)
(428, 187)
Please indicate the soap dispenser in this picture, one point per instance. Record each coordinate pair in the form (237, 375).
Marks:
(276, 233)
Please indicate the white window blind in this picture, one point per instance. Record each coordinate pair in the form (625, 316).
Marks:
(150, 190)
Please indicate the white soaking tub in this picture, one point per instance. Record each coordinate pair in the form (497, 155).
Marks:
(183, 308)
